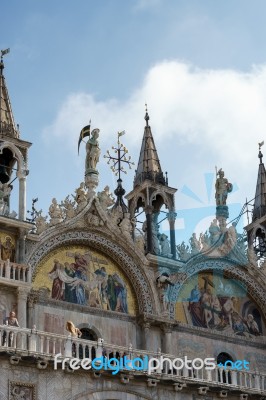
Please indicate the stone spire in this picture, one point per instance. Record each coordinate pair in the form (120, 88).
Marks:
(260, 196)
(7, 123)
(149, 167)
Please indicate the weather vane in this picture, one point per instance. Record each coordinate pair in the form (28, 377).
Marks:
(117, 161)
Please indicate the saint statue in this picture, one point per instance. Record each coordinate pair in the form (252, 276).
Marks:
(222, 188)
(93, 151)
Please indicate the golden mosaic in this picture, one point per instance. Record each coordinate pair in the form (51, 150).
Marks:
(80, 275)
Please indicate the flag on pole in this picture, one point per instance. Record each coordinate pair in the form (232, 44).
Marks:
(4, 52)
(83, 133)
(121, 133)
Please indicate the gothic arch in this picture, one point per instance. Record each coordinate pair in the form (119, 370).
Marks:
(253, 287)
(164, 196)
(135, 273)
(16, 154)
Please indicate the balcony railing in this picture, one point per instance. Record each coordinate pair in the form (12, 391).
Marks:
(14, 272)
(45, 345)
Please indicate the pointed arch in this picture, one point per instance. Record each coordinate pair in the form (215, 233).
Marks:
(16, 154)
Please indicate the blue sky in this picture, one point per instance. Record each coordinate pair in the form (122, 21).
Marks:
(200, 66)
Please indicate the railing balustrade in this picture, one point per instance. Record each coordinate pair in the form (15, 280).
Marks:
(14, 272)
(47, 345)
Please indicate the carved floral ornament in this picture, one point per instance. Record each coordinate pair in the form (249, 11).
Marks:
(132, 270)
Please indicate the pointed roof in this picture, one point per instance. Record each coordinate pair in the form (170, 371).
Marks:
(149, 167)
(260, 196)
(7, 123)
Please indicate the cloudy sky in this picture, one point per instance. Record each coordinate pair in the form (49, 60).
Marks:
(199, 64)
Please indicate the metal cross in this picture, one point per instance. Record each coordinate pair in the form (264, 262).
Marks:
(117, 161)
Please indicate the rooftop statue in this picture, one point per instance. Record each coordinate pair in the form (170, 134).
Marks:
(93, 152)
(106, 198)
(222, 188)
(55, 213)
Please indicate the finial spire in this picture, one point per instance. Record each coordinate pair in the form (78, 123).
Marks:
(260, 153)
(146, 115)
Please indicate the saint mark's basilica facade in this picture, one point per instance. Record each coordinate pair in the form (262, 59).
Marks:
(90, 281)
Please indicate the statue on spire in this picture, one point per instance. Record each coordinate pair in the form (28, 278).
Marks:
(93, 152)
(222, 188)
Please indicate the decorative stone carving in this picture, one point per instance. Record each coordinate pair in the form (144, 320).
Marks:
(106, 198)
(194, 244)
(81, 197)
(55, 213)
(22, 391)
(140, 242)
(204, 241)
(94, 219)
(183, 251)
(215, 231)
(41, 222)
(116, 215)
(230, 240)
(92, 181)
(126, 226)
(252, 258)
(69, 208)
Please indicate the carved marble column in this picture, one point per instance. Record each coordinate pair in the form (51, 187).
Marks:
(148, 212)
(171, 218)
(22, 194)
(21, 247)
(146, 326)
(31, 308)
(167, 339)
(22, 295)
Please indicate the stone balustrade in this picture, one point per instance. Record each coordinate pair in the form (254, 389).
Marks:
(45, 345)
(15, 272)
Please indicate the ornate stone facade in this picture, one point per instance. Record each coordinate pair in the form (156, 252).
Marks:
(130, 291)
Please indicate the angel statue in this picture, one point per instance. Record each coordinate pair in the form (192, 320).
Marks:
(93, 151)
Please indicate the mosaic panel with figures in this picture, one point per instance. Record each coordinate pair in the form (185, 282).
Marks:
(80, 275)
(212, 300)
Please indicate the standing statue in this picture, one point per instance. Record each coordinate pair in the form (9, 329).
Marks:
(222, 188)
(165, 245)
(93, 152)
(5, 190)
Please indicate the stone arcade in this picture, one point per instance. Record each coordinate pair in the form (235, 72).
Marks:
(90, 280)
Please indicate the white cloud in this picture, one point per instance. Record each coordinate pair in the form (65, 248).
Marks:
(219, 114)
